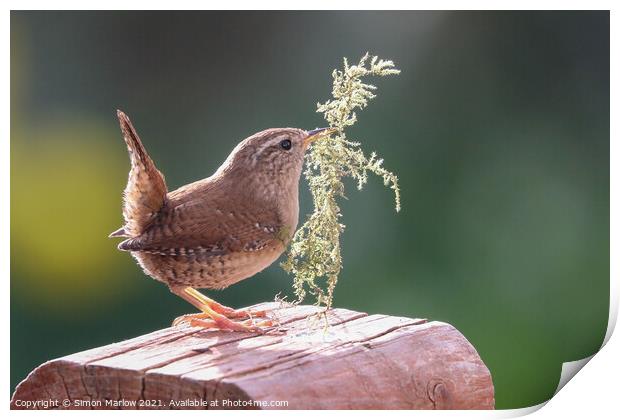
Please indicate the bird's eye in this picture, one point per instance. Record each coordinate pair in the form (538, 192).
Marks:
(285, 144)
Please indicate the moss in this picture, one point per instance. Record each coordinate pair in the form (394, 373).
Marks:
(314, 257)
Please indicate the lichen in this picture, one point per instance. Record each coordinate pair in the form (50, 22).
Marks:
(314, 257)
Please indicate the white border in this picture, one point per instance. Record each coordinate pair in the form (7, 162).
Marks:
(593, 394)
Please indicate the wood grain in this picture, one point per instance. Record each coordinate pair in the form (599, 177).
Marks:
(359, 362)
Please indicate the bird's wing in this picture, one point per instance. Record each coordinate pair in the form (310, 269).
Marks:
(146, 189)
(195, 227)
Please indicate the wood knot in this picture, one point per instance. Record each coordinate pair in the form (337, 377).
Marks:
(439, 393)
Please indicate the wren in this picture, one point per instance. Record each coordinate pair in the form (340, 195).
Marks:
(217, 231)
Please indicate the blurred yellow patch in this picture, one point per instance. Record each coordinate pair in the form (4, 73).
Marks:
(67, 176)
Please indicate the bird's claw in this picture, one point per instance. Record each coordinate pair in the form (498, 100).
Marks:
(222, 323)
(186, 319)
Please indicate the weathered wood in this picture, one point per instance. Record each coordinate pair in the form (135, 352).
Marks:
(359, 362)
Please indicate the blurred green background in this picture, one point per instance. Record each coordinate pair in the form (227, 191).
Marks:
(498, 128)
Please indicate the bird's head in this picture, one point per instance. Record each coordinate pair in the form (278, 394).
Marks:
(276, 153)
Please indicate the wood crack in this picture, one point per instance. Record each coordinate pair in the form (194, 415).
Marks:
(299, 356)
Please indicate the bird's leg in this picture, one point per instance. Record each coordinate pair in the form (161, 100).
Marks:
(227, 311)
(224, 310)
(210, 316)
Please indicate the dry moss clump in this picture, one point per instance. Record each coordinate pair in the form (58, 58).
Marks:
(314, 257)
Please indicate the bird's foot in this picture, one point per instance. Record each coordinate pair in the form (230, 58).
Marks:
(224, 323)
(220, 322)
(236, 313)
(216, 315)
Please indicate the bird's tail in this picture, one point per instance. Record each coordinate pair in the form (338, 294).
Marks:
(146, 189)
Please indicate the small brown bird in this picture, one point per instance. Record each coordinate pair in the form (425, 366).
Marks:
(220, 230)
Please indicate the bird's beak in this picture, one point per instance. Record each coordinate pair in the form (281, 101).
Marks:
(318, 133)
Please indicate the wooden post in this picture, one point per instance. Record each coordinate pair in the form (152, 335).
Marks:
(359, 362)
